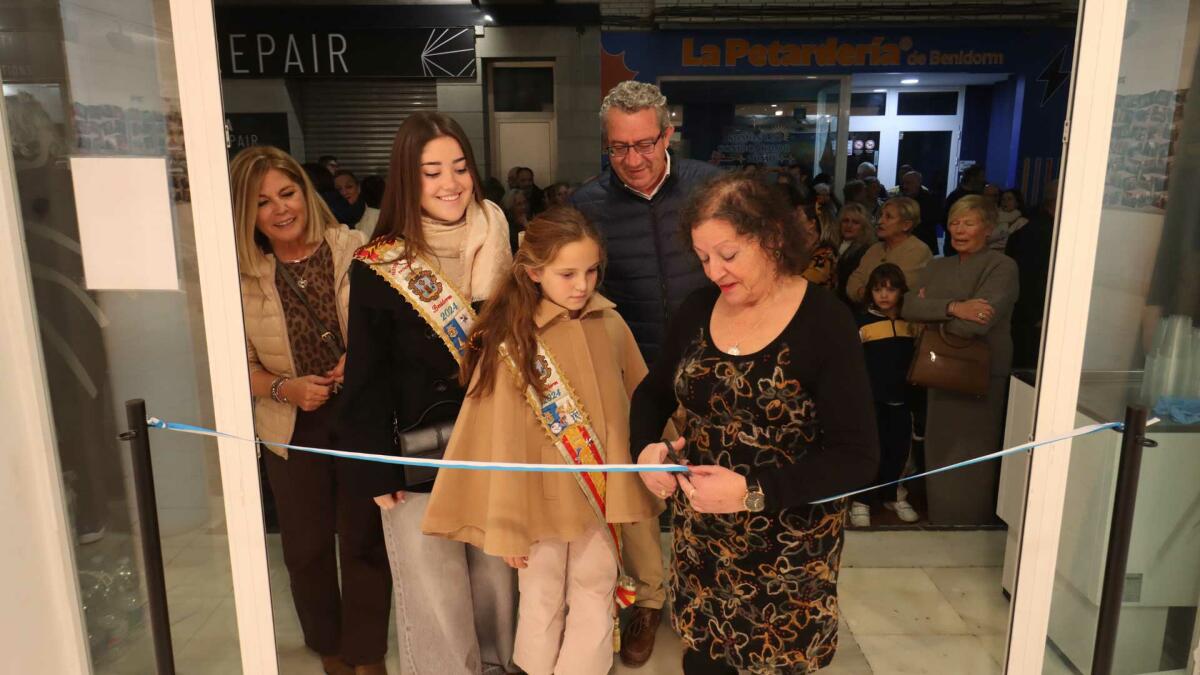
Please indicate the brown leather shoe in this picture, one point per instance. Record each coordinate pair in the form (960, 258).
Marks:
(334, 665)
(373, 669)
(637, 640)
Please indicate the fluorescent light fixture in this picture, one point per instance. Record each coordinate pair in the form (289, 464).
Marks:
(909, 80)
(879, 91)
(779, 113)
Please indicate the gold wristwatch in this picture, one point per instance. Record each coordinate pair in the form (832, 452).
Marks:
(754, 501)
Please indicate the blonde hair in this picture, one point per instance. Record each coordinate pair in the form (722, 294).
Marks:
(907, 209)
(245, 178)
(981, 205)
(860, 213)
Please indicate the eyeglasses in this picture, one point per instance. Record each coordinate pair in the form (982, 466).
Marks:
(643, 147)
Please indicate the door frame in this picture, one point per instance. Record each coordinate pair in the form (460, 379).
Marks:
(1080, 197)
(1077, 227)
(194, 34)
(494, 119)
(891, 125)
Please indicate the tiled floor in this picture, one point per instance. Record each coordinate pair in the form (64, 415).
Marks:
(912, 602)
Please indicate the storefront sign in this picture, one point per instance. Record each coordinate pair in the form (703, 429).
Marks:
(829, 52)
(250, 49)
(249, 129)
(720, 52)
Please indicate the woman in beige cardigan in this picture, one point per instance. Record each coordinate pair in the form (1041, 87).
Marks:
(896, 245)
(284, 229)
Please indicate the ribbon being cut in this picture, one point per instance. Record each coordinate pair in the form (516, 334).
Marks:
(155, 423)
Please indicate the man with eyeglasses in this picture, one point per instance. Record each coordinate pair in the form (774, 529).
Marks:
(635, 204)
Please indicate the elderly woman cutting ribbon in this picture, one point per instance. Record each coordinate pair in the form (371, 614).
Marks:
(770, 373)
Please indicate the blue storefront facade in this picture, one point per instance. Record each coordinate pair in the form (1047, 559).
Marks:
(1013, 125)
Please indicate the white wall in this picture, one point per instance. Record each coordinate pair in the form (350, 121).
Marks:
(259, 96)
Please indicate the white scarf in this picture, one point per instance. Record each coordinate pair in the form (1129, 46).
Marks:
(479, 241)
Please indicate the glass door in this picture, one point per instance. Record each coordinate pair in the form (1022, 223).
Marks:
(762, 124)
(1142, 347)
(1120, 329)
(127, 299)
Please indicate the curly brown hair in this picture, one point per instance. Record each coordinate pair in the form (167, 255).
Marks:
(755, 210)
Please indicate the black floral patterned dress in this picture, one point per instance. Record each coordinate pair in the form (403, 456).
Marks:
(758, 591)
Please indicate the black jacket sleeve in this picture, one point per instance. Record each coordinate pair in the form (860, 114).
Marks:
(369, 400)
(654, 400)
(848, 455)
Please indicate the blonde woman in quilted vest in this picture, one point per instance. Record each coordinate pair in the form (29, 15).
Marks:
(295, 263)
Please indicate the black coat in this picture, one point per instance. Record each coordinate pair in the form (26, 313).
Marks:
(396, 368)
(650, 272)
(931, 217)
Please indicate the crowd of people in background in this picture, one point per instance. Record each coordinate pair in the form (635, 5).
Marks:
(754, 323)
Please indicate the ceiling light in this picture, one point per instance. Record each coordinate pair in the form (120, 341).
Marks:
(880, 91)
(779, 113)
(774, 105)
(488, 18)
(909, 80)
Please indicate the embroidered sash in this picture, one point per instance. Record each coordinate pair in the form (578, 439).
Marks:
(439, 303)
(561, 415)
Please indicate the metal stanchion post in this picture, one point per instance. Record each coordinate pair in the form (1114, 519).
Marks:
(147, 514)
(1128, 468)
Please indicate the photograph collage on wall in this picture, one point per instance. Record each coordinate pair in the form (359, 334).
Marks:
(113, 130)
(1145, 129)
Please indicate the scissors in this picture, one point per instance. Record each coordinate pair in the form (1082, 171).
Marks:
(676, 459)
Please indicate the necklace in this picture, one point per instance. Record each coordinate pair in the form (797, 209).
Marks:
(299, 267)
(736, 348)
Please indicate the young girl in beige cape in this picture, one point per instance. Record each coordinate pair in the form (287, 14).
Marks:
(541, 523)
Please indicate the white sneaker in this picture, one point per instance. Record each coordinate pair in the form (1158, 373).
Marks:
(860, 515)
(904, 510)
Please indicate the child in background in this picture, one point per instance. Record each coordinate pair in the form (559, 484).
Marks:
(546, 340)
(888, 345)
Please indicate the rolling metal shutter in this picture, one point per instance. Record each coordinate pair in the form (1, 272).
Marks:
(355, 120)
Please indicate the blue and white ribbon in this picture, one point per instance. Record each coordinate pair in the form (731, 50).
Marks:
(156, 423)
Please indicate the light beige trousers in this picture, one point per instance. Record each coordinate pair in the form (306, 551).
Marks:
(565, 616)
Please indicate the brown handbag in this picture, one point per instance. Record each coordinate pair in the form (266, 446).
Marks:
(951, 363)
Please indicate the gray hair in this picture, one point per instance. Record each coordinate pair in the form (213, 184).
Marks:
(631, 97)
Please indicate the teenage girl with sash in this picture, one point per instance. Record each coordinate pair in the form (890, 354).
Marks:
(439, 249)
(550, 371)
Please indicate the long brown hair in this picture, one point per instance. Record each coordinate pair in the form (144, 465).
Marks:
(245, 179)
(508, 316)
(400, 211)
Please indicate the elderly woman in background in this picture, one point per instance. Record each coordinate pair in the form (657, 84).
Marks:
(364, 217)
(972, 295)
(896, 245)
(295, 263)
(771, 378)
(854, 235)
